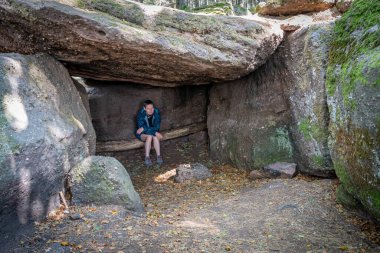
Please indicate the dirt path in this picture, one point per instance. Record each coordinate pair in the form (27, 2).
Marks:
(227, 213)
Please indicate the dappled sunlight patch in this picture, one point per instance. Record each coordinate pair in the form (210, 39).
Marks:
(15, 70)
(15, 112)
(196, 225)
(57, 131)
(14, 109)
(79, 124)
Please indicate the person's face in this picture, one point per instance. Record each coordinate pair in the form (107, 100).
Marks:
(149, 109)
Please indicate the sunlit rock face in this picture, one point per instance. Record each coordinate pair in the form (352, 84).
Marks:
(128, 41)
(44, 131)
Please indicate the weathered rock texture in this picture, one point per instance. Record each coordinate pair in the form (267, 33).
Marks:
(258, 174)
(294, 7)
(194, 171)
(103, 180)
(306, 57)
(346, 199)
(122, 40)
(354, 102)
(194, 4)
(81, 87)
(281, 170)
(44, 131)
(275, 170)
(114, 107)
(248, 119)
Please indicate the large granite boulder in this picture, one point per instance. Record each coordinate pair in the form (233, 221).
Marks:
(353, 84)
(129, 41)
(44, 131)
(103, 180)
(114, 107)
(248, 119)
(294, 7)
(306, 58)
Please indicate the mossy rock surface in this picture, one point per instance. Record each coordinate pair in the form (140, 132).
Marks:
(306, 59)
(44, 131)
(346, 199)
(248, 119)
(103, 180)
(353, 84)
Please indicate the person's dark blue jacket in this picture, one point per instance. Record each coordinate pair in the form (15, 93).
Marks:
(142, 121)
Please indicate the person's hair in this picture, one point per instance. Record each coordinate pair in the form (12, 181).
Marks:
(148, 102)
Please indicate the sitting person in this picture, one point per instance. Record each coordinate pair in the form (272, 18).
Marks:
(148, 124)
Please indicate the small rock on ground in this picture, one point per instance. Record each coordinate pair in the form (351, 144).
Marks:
(281, 170)
(194, 171)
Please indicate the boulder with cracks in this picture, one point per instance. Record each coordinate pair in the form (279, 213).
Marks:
(128, 41)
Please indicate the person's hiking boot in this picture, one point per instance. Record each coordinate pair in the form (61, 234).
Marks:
(159, 160)
(148, 162)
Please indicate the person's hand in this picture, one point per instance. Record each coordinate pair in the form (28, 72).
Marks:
(140, 130)
(158, 135)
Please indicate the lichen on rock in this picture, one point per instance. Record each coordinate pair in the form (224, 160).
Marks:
(353, 84)
(129, 41)
(103, 180)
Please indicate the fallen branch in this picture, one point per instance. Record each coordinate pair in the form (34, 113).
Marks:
(110, 146)
(63, 200)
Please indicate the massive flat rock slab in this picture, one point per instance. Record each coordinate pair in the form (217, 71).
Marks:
(127, 41)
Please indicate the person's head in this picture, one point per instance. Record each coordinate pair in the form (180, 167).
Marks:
(149, 107)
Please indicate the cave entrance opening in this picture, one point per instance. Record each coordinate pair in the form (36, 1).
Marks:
(114, 106)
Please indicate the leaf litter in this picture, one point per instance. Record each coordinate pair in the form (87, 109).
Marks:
(225, 213)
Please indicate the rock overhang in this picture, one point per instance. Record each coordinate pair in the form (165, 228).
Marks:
(156, 46)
